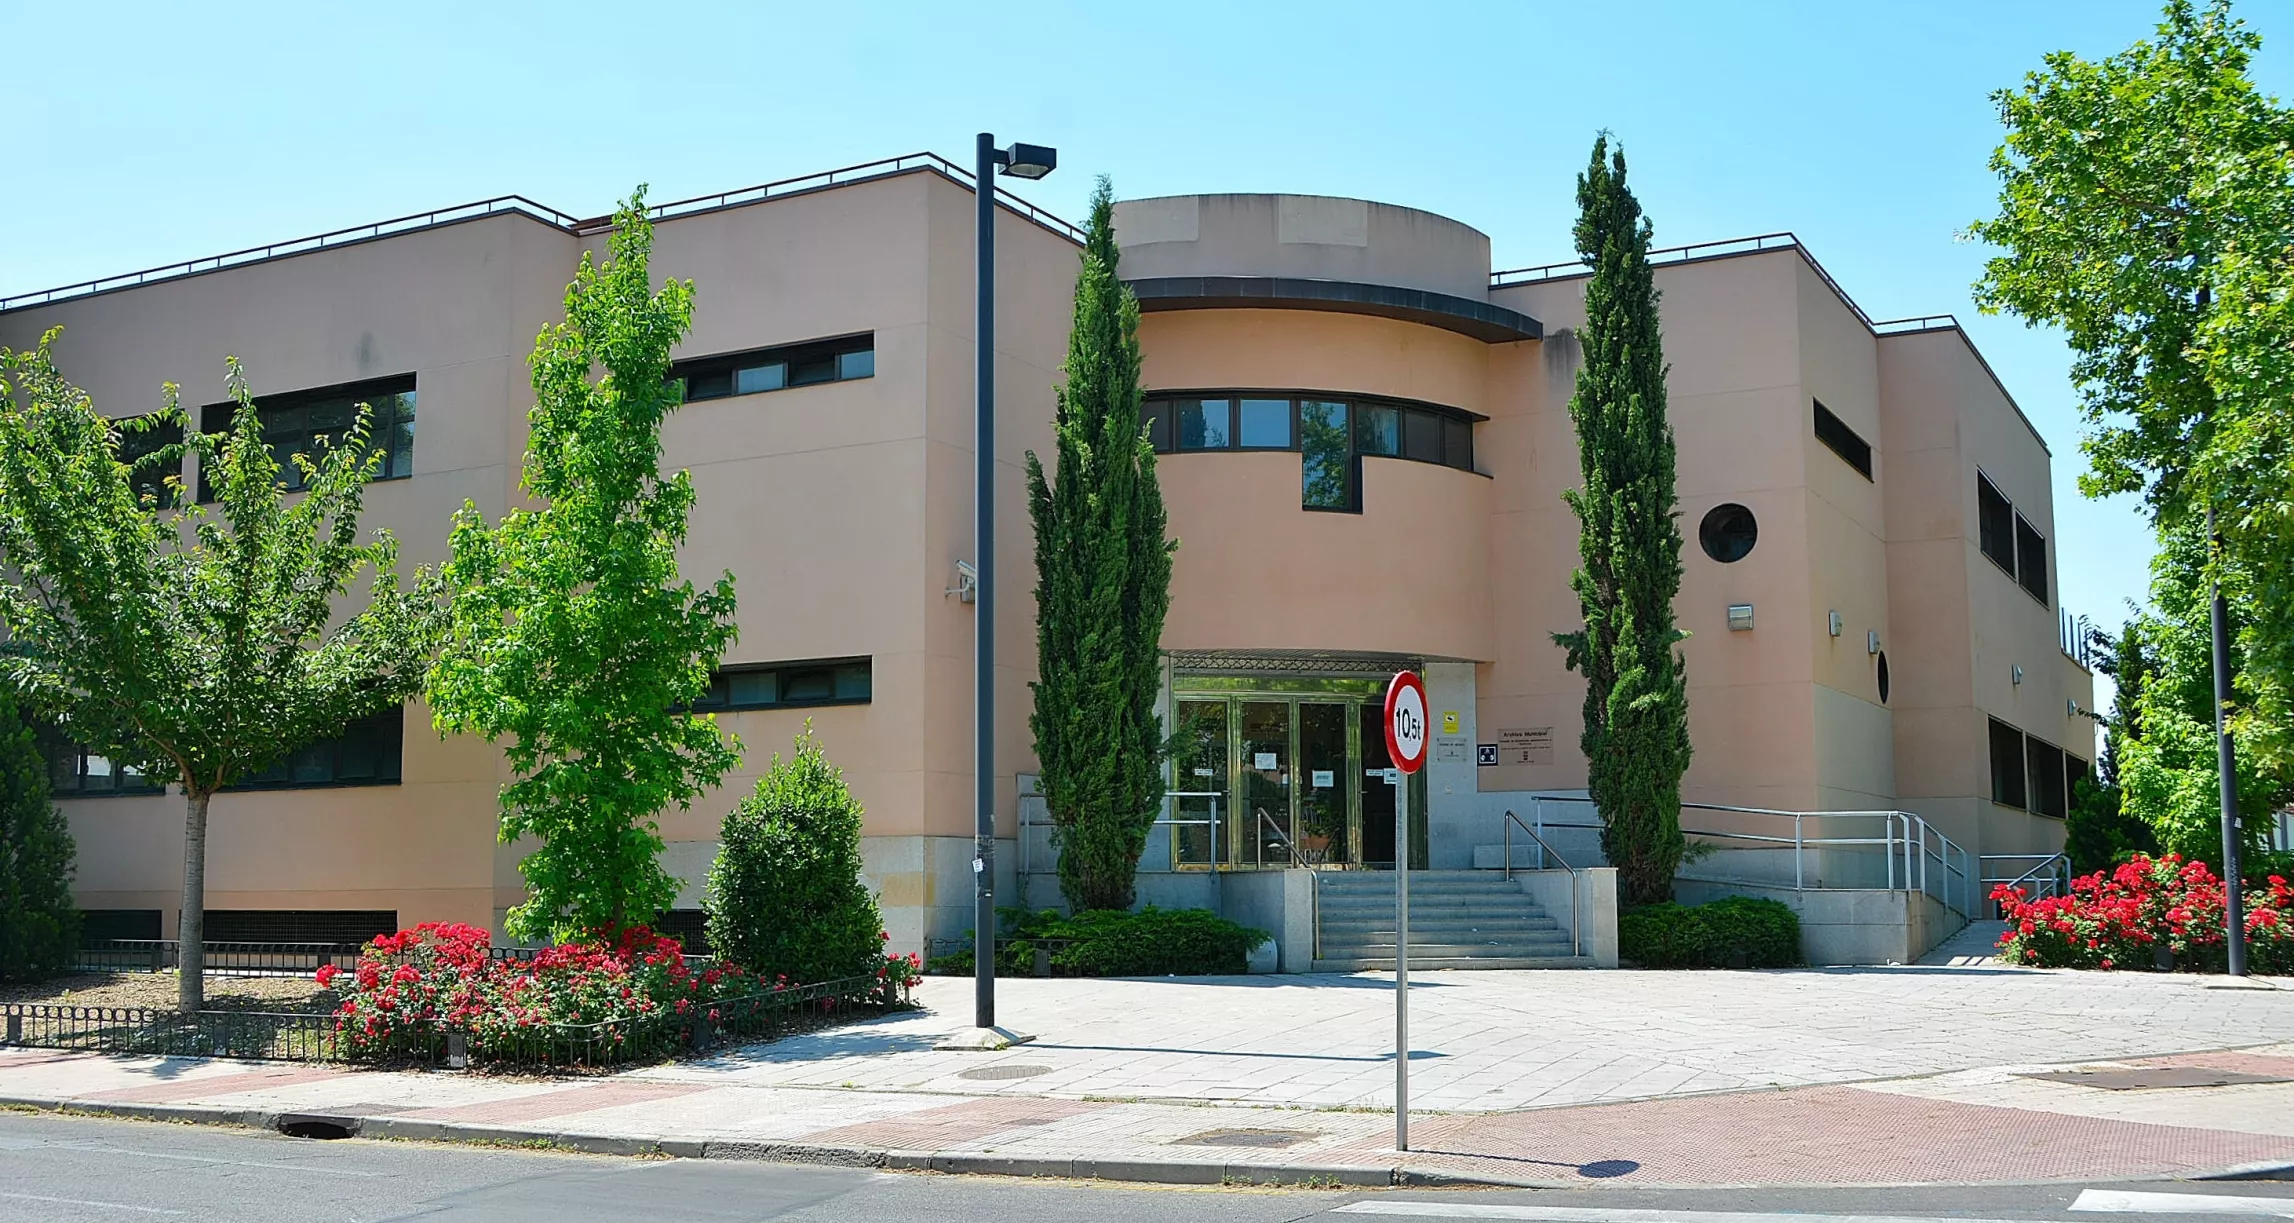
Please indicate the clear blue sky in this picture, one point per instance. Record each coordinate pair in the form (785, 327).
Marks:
(140, 135)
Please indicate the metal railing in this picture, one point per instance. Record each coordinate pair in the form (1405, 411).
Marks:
(1297, 860)
(2039, 875)
(1544, 851)
(222, 958)
(521, 206)
(1884, 850)
(1171, 806)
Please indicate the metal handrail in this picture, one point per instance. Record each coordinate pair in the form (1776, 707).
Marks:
(1576, 916)
(1313, 876)
(2055, 869)
(1170, 798)
(520, 205)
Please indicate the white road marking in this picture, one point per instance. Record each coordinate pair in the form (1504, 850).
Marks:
(2121, 1201)
(34, 1197)
(1592, 1214)
(207, 1159)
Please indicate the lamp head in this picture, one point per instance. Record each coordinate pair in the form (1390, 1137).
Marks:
(1029, 160)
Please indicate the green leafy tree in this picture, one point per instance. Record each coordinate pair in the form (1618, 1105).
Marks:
(39, 927)
(785, 895)
(199, 646)
(2100, 830)
(572, 634)
(1636, 736)
(1103, 586)
(2147, 208)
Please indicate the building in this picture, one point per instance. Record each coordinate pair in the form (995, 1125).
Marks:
(1365, 437)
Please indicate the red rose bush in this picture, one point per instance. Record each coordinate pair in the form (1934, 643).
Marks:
(605, 998)
(2149, 913)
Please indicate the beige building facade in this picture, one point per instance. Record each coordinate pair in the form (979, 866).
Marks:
(1365, 437)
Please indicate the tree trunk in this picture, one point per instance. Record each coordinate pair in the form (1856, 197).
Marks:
(191, 960)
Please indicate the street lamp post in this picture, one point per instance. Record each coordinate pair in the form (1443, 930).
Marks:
(1018, 161)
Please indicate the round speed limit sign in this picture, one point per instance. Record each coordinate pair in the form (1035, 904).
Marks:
(1406, 721)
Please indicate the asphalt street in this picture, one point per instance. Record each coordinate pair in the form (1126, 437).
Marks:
(68, 1169)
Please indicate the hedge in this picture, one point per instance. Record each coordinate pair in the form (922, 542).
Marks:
(1732, 932)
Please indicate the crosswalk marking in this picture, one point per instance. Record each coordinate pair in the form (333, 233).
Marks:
(1595, 1214)
(2123, 1201)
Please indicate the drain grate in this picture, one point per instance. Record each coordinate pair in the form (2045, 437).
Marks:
(2147, 1077)
(1005, 1070)
(1244, 1138)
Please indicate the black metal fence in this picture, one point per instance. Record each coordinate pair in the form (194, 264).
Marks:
(315, 1037)
(222, 958)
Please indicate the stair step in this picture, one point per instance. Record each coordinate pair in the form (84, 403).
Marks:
(1343, 964)
(1524, 924)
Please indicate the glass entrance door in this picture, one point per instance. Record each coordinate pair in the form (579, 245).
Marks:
(1266, 772)
(1265, 768)
(1377, 793)
(1201, 812)
(1325, 812)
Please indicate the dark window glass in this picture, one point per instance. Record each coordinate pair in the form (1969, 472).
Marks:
(74, 772)
(773, 369)
(1263, 424)
(2046, 777)
(1422, 436)
(310, 423)
(2008, 766)
(1326, 463)
(2030, 559)
(367, 753)
(99, 926)
(1728, 533)
(787, 685)
(1844, 441)
(348, 927)
(1155, 417)
(1205, 424)
(1377, 429)
(149, 438)
(1995, 524)
(1882, 668)
(1458, 443)
(2074, 771)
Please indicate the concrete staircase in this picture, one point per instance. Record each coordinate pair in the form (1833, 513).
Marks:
(1458, 919)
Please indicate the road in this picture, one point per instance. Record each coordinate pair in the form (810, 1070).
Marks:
(70, 1169)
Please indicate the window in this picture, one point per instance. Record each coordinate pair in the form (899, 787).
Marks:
(308, 422)
(2031, 559)
(1728, 533)
(688, 926)
(73, 772)
(1326, 463)
(367, 753)
(103, 925)
(2008, 766)
(1995, 524)
(1844, 441)
(2046, 761)
(1882, 674)
(2075, 771)
(1332, 435)
(343, 927)
(148, 438)
(788, 685)
(772, 369)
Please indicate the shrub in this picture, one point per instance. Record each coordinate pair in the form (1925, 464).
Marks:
(1150, 942)
(2126, 917)
(1732, 932)
(39, 928)
(785, 897)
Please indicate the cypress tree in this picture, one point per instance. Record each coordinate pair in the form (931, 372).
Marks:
(1103, 585)
(1636, 737)
(39, 928)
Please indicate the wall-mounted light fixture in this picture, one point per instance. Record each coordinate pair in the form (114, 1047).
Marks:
(1872, 641)
(1834, 619)
(967, 587)
(1740, 617)
(2071, 707)
(2017, 673)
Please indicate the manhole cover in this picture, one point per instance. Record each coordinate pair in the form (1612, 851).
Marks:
(1244, 1138)
(1007, 1070)
(2156, 1076)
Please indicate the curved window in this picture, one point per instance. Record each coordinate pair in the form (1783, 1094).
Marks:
(1728, 533)
(1883, 675)
(1331, 433)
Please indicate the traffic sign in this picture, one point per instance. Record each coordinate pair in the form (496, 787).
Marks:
(1406, 721)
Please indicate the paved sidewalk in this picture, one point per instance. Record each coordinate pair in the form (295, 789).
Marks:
(1123, 1083)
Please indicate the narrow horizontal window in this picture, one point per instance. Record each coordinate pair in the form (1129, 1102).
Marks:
(773, 369)
(1330, 467)
(310, 423)
(75, 772)
(1844, 441)
(368, 752)
(788, 685)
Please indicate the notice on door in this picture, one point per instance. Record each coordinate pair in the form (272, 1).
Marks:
(1264, 761)
(1325, 778)
(1530, 745)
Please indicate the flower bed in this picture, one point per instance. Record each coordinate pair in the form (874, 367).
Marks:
(608, 999)
(2149, 913)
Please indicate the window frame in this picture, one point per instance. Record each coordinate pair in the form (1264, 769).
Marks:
(392, 746)
(215, 418)
(1842, 439)
(1451, 429)
(837, 351)
(832, 666)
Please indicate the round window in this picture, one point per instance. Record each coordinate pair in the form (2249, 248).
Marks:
(1728, 533)
(1883, 677)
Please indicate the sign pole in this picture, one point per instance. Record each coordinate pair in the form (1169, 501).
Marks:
(1401, 960)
